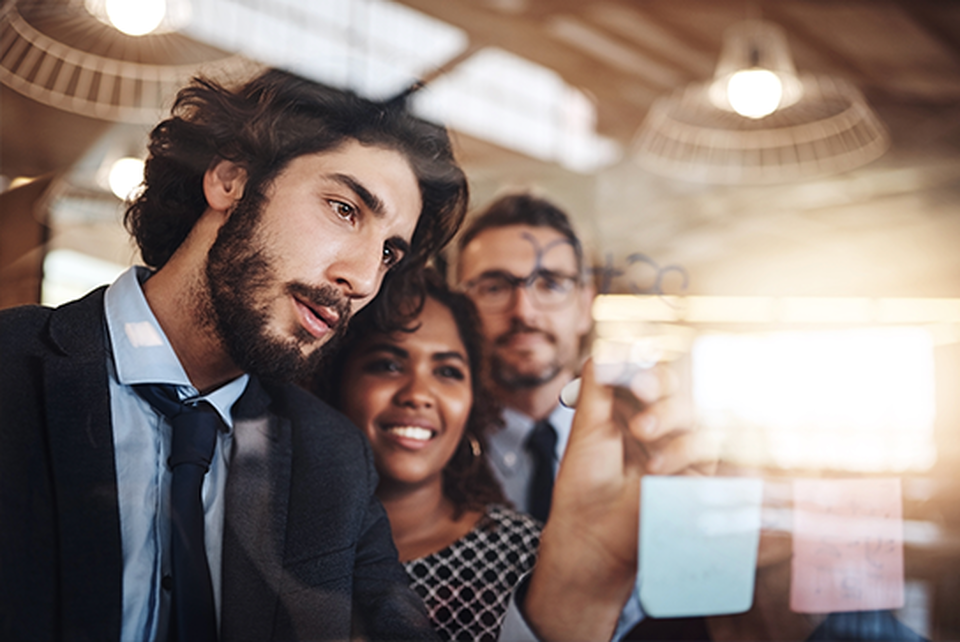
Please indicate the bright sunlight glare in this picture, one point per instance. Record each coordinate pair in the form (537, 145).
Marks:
(852, 400)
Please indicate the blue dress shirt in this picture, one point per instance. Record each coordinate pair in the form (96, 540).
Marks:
(141, 353)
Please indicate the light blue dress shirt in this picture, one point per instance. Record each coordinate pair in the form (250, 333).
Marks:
(512, 463)
(513, 467)
(141, 353)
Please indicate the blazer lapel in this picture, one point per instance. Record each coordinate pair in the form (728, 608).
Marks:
(82, 462)
(255, 520)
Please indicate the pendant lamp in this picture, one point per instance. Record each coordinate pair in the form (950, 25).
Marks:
(758, 121)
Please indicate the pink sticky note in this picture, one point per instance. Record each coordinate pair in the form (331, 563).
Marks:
(847, 545)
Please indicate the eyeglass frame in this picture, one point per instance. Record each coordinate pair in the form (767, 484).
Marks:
(526, 281)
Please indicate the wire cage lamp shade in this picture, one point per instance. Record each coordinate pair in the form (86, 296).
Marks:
(818, 125)
(94, 70)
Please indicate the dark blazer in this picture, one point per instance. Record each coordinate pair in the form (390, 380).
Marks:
(307, 550)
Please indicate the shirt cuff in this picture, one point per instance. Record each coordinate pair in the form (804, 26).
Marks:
(630, 616)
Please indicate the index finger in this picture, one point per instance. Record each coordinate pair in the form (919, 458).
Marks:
(654, 421)
(652, 384)
(594, 403)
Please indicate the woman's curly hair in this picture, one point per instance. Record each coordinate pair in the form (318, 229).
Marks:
(262, 126)
(468, 480)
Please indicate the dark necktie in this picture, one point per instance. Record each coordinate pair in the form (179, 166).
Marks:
(542, 445)
(193, 614)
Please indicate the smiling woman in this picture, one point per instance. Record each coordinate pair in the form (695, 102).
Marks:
(417, 394)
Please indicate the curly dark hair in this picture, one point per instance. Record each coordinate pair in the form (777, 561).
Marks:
(468, 480)
(262, 126)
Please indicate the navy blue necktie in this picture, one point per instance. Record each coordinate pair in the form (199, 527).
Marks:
(541, 443)
(195, 426)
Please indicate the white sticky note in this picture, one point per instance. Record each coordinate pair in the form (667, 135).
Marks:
(847, 545)
(698, 545)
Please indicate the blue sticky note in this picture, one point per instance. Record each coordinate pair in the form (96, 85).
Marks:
(698, 545)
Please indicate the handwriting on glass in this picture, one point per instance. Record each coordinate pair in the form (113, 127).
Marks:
(645, 275)
(847, 545)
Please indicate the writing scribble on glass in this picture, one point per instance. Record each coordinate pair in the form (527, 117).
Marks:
(653, 280)
(542, 251)
(655, 275)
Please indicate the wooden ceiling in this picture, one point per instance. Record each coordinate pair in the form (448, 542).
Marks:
(627, 53)
(888, 229)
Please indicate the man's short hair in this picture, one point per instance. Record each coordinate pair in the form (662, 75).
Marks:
(522, 209)
(265, 124)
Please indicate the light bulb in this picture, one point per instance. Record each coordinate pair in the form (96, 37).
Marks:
(136, 17)
(754, 93)
(126, 174)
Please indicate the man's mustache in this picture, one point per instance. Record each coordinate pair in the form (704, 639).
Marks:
(519, 327)
(325, 296)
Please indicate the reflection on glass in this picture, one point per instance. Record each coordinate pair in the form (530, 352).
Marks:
(846, 410)
(850, 400)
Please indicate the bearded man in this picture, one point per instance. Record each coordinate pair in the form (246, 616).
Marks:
(522, 264)
(270, 214)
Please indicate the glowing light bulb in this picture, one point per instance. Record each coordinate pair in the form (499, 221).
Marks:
(754, 93)
(136, 17)
(126, 174)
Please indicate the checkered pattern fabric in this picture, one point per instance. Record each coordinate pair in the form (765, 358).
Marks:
(467, 586)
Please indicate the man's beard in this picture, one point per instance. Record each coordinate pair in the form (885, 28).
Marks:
(506, 374)
(240, 275)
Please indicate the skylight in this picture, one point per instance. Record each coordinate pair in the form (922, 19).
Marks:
(373, 47)
(511, 101)
(379, 48)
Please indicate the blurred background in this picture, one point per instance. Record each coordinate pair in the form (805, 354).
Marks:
(799, 248)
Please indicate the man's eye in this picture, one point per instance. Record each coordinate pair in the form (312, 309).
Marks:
(343, 210)
(492, 286)
(549, 283)
(553, 284)
(391, 256)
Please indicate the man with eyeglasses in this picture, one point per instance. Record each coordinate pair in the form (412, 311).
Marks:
(522, 264)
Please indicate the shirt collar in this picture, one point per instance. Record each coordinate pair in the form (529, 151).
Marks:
(562, 421)
(518, 425)
(143, 354)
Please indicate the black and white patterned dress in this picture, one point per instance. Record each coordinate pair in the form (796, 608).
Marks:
(467, 586)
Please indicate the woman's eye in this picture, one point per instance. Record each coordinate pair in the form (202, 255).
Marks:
(451, 372)
(343, 210)
(382, 365)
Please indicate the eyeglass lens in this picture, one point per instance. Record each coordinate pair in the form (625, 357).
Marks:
(545, 289)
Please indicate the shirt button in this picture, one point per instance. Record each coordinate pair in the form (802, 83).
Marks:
(167, 583)
(510, 459)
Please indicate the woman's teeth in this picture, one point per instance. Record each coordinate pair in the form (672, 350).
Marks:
(411, 432)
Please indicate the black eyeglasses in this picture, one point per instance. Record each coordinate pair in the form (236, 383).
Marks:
(495, 291)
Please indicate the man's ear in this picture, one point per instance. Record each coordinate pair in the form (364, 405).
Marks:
(223, 185)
